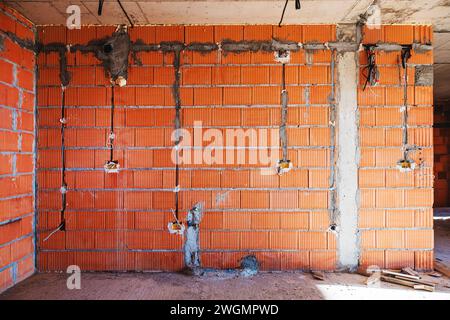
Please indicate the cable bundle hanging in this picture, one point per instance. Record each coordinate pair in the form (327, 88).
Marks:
(111, 166)
(405, 164)
(284, 165)
(373, 75)
(63, 189)
(177, 226)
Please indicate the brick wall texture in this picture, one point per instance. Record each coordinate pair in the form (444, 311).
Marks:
(16, 150)
(396, 215)
(119, 221)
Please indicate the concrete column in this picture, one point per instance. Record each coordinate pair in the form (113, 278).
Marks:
(347, 160)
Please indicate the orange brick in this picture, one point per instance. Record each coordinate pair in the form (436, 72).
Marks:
(320, 95)
(319, 178)
(371, 219)
(236, 58)
(314, 74)
(266, 95)
(235, 178)
(237, 96)
(319, 33)
(313, 200)
(294, 220)
(196, 75)
(265, 220)
(255, 75)
(284, 199)
(234, 33)
(283, 240)
(373, 35)
(254, 240)
(225, 240)
(312, 240)
(323, 260)
(368, 239)
(295, 178)
(390, 239)
(199, 34)
(256, 117)
(388, 117)
(371, 178)
(226, 75)
(401, 34)
(423, 260)
(288, 33)
(169, 33)
(389, 198)
(208, 96)
(371, 258)
(255, 199)
(387, 157)
(294, 260)
(399, 259)
(258, 32)
(419, 198)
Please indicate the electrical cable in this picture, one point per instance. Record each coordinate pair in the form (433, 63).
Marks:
(297, 7)
(111, 133)
(282, 14)
(126, 14)
(284, 102)
(373, 74)
(63, 189)
(100, 7)
(405, 55)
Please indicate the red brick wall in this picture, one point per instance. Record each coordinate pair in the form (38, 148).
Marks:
(442, 155)
(396, 216)
(16, 150)
(119, 221)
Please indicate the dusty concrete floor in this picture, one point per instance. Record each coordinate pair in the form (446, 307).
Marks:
(167, 286)
(223, 285)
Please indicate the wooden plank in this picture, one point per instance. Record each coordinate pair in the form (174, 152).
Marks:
(398, 281)
(410, 271)
(318, 275)
(427, 283)
(400, 274)
(442, 268)
(423, 287)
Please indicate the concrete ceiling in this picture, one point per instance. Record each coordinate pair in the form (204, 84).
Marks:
(436, 12)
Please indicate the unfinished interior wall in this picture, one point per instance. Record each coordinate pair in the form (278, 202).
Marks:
(442, 154)
(396, 216)
(118, 221)
(16, 148)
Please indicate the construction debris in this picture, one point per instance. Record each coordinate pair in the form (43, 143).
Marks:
(318, 275)
(435, 274)
(410, 271)
(442, 268)
(406, 277)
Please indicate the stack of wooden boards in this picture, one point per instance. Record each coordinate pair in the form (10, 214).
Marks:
(405, 277)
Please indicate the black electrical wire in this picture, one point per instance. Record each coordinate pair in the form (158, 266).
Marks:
(373, 75)
(100, 7)
(282, 14)
(405, 55)
(297, 7)
(126, 14)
